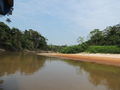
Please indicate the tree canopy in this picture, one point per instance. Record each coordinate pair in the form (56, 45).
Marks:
(109, 36)
(15, 39)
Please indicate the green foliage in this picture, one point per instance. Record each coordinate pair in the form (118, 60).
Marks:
(80, 40)
(14, 39)
(55, 48)
(96, 37)
(109, 36)
(103, 49)
(75, 48)
(106, 41)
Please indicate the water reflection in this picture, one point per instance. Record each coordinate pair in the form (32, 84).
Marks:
(19, 71)
(24, 63)
(100, 74)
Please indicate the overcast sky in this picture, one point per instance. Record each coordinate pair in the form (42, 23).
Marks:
(63, 21)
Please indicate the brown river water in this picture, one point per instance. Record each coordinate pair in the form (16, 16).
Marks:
(20, 71)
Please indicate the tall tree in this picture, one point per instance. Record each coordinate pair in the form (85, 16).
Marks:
(96, 37)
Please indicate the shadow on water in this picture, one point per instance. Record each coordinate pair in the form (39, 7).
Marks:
(99, 74)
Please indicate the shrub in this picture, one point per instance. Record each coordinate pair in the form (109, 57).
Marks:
(75, 48)
(103, 49)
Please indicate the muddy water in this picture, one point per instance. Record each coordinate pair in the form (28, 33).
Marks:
(20, 71)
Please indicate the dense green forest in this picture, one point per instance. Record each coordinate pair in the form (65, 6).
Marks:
(16, 40)
(100, 41)
(109, 36)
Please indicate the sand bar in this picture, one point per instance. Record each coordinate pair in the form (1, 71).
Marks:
(111, 59)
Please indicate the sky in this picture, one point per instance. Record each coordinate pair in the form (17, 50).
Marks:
(63, 21)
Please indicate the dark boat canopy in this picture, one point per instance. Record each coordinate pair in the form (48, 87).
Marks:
(6, 7)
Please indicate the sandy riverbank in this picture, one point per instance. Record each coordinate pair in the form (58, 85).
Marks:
(111, 59)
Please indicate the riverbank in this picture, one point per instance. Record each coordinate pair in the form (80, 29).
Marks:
(110, 59)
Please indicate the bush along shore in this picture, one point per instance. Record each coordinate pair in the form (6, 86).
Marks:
(91, 49)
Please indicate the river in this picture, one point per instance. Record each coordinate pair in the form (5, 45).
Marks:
(21, 71)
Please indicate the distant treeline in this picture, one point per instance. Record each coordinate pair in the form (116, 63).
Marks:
(55, 48)
(109, 36)
(15, 39)
(100, 41)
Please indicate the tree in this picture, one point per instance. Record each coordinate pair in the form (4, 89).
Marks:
(35, 40)
(4, 35)
(96, 37)
(112, 35)
(80, 40)
(16, 36)
(14, 39)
